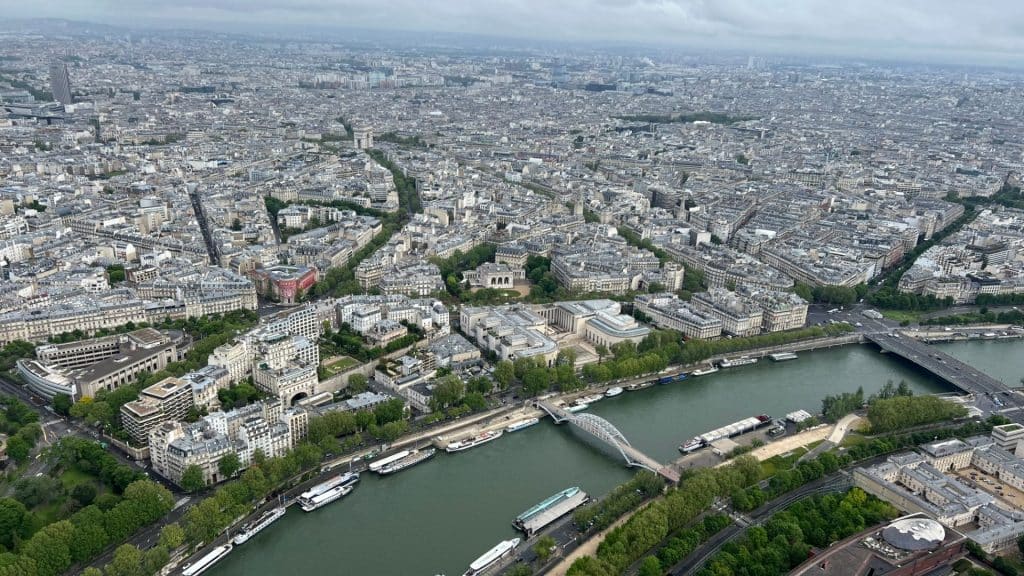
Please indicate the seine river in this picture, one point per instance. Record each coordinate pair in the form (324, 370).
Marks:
(437, 517)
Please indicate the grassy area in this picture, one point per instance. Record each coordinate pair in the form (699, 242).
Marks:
(73, 477)
(48, 513)
(852, 440)
(912, 316)
(776, 464)
(339, 365)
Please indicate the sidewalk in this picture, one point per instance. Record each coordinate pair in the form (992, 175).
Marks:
(589, 547)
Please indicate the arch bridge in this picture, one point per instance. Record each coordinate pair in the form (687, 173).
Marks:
(607, 433)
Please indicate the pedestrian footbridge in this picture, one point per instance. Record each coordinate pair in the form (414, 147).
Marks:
(607, 433)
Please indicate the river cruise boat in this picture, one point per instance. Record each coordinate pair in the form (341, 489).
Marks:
(204, 563)
(376, 465)
(517, 426)
(253, 528)
(474, 441)
(734, 362)
(704, 371)
(411, 459)
(325, 498)
(577, 407)
(492, 556)
(346, 479)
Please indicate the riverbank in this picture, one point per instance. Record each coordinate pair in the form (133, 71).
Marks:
(456, 506)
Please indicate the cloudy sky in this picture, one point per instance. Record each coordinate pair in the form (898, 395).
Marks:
(950, 30)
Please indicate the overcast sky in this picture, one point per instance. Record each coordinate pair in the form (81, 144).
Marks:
(951, 30)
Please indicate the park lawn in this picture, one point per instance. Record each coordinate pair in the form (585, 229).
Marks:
(340, 365)
(73, 477)
(853, 439)
(902, 315)
(776, 464)
(49, 513)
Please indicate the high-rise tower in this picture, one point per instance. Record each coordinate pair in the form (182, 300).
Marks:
(60, 82)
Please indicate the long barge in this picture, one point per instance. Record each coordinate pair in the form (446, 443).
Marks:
(492, 556)
(409, 460)
(468, 443)
(256, 526)
(550, 509)
(734, 429)
(325, 498)
(710, 369)
(204, 563)
(376, 465)
(678, 377)
(517, 426)
(734, 362)
(341, 480)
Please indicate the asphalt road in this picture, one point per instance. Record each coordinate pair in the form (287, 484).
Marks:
(943, 365)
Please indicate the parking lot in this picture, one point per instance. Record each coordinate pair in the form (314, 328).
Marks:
(977, 479)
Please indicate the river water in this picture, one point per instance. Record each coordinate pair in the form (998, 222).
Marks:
(437, 517)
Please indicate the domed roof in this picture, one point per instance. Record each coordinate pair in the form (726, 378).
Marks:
(914, 534)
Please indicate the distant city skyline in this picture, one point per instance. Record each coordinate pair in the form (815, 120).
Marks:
(936, 31)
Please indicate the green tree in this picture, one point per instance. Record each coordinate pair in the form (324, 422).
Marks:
(149, 499)
(115, 273)
(84, 493)
(90, 534)
(536, 380)
(392, 430)
(389, 411)
(127, 561)
(229, 464)
(544, 548)
(92, 571)
(15, 522)
(475, 401)
(255, 481)
(899, 412)
(192, 479)
(204, 521)
(357, 383)
(519, 570)
(650, 567)
(172, 535)
(154, 559)
(447, 391)
(479, 384)
(62, 404)
(503, 373)
(804, 291)
(18, 449)
(50, 548)
(37, 490)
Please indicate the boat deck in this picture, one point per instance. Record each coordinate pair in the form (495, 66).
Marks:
(542, 519)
